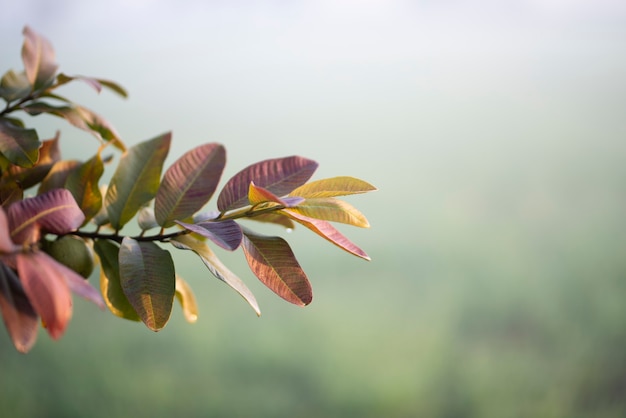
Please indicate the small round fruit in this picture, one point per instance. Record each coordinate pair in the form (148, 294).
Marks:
(73, 252)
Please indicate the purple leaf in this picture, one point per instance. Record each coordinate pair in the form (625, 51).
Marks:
(55, 211)
(279, 176)
(227, 234)
(189, 183)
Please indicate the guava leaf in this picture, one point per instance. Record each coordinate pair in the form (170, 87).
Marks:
(6, 244)
(187, 300)
(273, 262)
(280, 176)
(336, 186)
(333, 210)
(28, 177)
(227, 234)
(189, 183)
(55, 211)
(148, 280)
(47, 290)
(110, 285)
(20, 319)
(38, 58)
(274, 218)
(19, 145)
(14, 86)
(95, 83)
(80, 117)
(146, 219)
(57, 175)
(216, 267)
(136, 179)
(83, 184)
(327, 231)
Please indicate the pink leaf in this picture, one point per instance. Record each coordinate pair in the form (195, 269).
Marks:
(55, 211)
(327, 231)
(47, 290)
(38, 57)
(6, 244)
(279, 176)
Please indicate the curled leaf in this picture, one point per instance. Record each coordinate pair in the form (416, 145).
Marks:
(187, 300)
(216, 267)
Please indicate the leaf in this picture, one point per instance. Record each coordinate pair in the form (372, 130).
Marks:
(273, 262)
(6, 244)
(14, 86)
(331, 209)
(77, 284)
(279, 176)
(46, 289)
(96, 83)
(148, 280)
(110, 285)
(57, 175)
(20, 319)
(189, 183)
(216, 267)
(275, 218)
(38, 58)
(83, 184)
(54, 211)
(227, 234)
(187, 300)
(336, 186)
(136, 180)
(19, 145)
(328, 232)
(80, 117)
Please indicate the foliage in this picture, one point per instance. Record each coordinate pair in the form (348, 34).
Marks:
(57, 220)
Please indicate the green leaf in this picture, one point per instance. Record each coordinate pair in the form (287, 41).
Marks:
(336, 186)
(38, 58)
(19, 317)
(96, 83)
(328, 232)
(148, 281)
(136, 180)
(216, 267)
(19, 145)
(189, 183)
(110, 285)
(280, 176)
(333, 210)
(80, 117)
(82, 182)
(273, 262)
(187, 300)
(14, 86)
(57, 175)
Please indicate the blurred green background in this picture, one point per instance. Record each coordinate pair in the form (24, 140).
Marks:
(495, 133)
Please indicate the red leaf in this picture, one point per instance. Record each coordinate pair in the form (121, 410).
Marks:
(327, 231)
(46, 289)
(227, 234)
(19, 317)
(273, 262)
(279, 176)
(55, 211)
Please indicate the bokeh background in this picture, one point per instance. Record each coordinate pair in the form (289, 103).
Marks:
(495, 131)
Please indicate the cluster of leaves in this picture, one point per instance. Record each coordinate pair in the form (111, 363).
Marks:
(57, 221)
